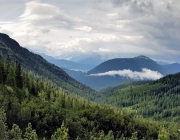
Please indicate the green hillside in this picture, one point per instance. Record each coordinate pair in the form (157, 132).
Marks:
(158, 100)
(40, 101)
(32, 110)
(37, 64)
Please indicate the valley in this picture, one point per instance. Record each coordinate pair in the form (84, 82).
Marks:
(89, 70)
(41, 101)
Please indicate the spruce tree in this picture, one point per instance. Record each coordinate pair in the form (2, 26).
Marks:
(163, 134)
(15, 133)
(30, 133)
(11, 77)
(61, 133)
(3, 126)
(19, 80)
(1, 71)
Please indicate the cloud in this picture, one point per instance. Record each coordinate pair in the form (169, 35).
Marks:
(145, 74)
(46, 15)
(119, 2)
(107, 27)
(84, 28)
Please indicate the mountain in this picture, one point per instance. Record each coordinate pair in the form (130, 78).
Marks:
(162, 63)
(46, 57)
(120, 70)
(36, 63)
(172, 68)
(158, 100)
(134, 64)
(67, 64)
(92, 60)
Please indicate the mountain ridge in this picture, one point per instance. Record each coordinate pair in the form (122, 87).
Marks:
(172, 68)
(68, 64)
(158, 100)
(125, 66)
(36, 63)
(134, 64)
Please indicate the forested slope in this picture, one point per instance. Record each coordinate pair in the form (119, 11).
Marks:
(31, 109)
(158, 100)
(37, 64)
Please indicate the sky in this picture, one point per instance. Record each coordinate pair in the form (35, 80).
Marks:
(109, 28)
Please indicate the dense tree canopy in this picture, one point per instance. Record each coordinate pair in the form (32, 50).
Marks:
(37, 110)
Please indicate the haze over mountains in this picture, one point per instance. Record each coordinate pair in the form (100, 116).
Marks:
(115, 71)
(172, 68)
(97, 76)
(80, 65)
(109, 73)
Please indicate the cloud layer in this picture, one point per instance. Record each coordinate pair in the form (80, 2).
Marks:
(145, 74)
(121, 28)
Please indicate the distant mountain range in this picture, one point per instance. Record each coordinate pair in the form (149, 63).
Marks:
(162, 63)
(172, 68)
(90, 64)
(109, 73)
(123, 69)
(115, 71)
(81, 65)
(36, 63)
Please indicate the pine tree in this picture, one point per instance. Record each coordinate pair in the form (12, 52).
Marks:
(61, 133)
(19, 80)
(101, 136)
(15, 133)
(11, 77)
(109, 136)
(30, 133)
(1, 70)
(134, 136)
(163, 134)
(3, 126)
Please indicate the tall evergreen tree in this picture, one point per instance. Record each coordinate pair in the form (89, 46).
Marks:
(15, 133)
(61, 133)
(163, 134)
(3, 126)
(1, 70)
(11, 77)
(30, 133)
(19, 80)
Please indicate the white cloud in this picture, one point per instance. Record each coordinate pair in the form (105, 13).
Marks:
(107, 27)
(46, 16)
(145, 74)
(84, 28)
